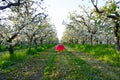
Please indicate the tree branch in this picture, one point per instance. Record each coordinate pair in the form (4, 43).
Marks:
(1, 35)
(10, 39)
(112, 16)
(39, 14)
(96, 8)
(15, 35)
(10, 4)
(3, 19)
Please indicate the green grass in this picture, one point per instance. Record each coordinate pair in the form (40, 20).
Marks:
(52, 65)
(2, 48)
(48, 69)
(24, 70)
(31, 52)
(102, 52)
(67, 66)
(7, 60)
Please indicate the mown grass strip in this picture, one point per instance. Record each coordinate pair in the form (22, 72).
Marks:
(8, 60)
(102, 52)
(86, 70)
(25, 68)
(48, 69)
(104, 69)
(66, 66)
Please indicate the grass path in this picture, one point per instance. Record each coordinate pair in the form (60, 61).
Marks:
(111, 72)
(30, 69)
(67, 65)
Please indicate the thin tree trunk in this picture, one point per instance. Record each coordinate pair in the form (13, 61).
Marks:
(107, 41)
(35, 42)
(30, 44)
(83, 40)
(76, 42)
(91, 38)
(41, 42)
(97, 42)
(116, 39)
(10, 49)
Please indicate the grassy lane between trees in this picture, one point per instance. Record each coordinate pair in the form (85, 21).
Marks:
(107, 69)
(70, 64)
(67, 66)
(29, 67)
(106, 53)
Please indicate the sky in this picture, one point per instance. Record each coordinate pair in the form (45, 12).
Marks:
(58, 11)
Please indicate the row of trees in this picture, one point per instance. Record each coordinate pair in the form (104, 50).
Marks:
(94, 26)
(25, 22)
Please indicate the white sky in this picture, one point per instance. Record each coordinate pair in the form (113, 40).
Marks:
(58, 11)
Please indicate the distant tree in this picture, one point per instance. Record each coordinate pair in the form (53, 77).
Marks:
(88, 27)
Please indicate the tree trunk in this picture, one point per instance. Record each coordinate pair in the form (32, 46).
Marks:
(21, 44)
(91, 38)
(83, 40)
(10, 49)
(35, 42)
(97, 42)
(30, 44)
(76, 42)
(107, 41)
(41, 42)
(116, 39)
(71, 41)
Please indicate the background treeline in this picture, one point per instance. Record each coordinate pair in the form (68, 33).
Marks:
(97, 25)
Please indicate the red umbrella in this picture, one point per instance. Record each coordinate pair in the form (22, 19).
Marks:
(60, 47)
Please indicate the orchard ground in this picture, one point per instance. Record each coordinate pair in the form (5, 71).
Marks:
(76, 62)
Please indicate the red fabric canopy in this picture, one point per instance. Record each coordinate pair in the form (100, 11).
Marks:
(60, 47)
